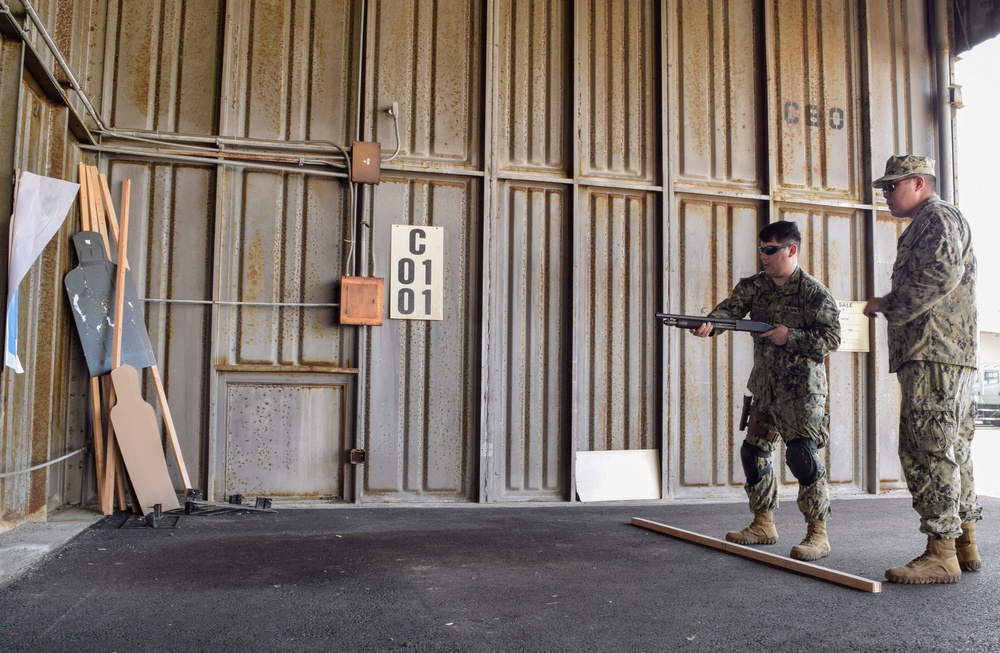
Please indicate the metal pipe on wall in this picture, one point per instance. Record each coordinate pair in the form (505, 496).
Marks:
(361, 70)
(220, 160)
(353, 266)
(221, 141)
(942, 60)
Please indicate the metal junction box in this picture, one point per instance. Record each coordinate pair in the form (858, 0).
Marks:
(361, 300)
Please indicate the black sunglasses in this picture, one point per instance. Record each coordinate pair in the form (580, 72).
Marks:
(773, 249)
(890, 186)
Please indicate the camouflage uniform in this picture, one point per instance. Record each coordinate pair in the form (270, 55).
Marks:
(789, 382)
(932, 333)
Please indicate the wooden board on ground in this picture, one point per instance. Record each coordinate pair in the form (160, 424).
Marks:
(809, 569)
(138, 436)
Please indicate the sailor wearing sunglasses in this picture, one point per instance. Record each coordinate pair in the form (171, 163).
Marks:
(932, 336)
(789, 387)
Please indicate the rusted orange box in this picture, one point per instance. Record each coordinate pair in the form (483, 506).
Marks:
(361, 300)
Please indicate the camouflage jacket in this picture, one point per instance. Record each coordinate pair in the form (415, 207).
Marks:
(931, 309)
(808, 309)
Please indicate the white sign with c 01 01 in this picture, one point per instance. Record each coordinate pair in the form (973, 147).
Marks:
(417, 273)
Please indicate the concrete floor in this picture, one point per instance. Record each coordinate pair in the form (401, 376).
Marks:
(566, 577)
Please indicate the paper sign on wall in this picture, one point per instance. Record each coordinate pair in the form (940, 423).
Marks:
(854, 326)
(416, 273)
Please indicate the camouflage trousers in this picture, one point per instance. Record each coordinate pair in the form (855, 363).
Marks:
(937, 420)
(805, 417)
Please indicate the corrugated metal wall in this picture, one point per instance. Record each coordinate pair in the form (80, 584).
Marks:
(529, 241)
(42, 418)
(590, 162)
(265, 381)
(815, 142)
(420, 415)
(43, 412)
(901, 94)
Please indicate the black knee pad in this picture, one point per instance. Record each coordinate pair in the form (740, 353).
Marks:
(749, 454)
(804, 465)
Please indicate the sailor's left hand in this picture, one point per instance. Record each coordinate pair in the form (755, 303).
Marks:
(778, 335)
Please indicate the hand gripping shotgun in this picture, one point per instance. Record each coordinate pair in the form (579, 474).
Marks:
(720, 323)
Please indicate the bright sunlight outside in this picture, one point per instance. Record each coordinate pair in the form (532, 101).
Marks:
(978, 144)
(978, 136)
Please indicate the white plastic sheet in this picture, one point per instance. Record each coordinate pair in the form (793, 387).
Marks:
(40, 207)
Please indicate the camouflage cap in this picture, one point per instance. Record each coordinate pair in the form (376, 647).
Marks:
(905, 165)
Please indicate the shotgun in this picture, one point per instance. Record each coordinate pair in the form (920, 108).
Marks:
(720, 323)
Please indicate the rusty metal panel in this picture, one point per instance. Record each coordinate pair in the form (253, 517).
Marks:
(528, 408)
(427, 56)
(265, 69)
(833, 252)
(283, 241)
(534, 86)
(36, 404)
(171, 256)
(10, 94)
(721, 240)
(285, 437)
(260, 249)
(291, 67)
(423, 386)
(715, 99)
(901, 82)
(82, 39)
(890, 473)
(616, 57)
(816, 102)
(616, 270)
(164, 73)
(713, 247)
(285, 249)
(573, 89)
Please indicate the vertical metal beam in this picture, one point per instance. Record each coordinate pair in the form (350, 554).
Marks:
(870, 461)
(670, 343)
(942, 60)
(579, 357)
(770, 65)
(11, 59)
(489, 382)
(11, 71)
(232, 72)
(363, 245)
(11, 65)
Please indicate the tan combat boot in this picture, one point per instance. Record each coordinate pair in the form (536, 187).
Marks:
(965, 548)
(938, 564)
(815, 545)
(761, 531)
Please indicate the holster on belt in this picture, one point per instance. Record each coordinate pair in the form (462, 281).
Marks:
(745, 416)
(760, 424)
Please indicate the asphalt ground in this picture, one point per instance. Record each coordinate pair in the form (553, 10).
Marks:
(472, 578)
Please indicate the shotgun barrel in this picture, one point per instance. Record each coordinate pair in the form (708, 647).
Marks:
(720, 323)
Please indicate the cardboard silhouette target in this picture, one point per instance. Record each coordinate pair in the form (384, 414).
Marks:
(90, 289)
(134, 421)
